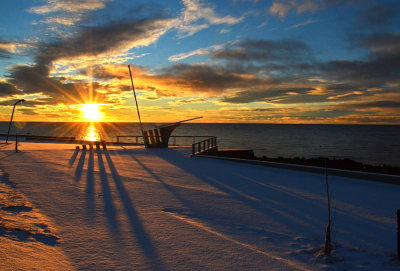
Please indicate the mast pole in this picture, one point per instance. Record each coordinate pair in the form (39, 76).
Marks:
(137, 107)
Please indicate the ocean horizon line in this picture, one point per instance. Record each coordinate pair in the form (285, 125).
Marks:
(255, 123)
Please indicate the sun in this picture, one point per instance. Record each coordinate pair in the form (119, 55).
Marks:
(91, 112)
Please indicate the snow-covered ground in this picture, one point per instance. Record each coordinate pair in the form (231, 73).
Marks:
(130, 208)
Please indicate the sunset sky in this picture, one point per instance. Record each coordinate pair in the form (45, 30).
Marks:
(282, 61)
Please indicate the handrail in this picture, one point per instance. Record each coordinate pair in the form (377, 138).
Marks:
(205, 146)
(174, 137)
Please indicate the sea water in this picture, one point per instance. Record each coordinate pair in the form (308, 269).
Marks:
(372, 144)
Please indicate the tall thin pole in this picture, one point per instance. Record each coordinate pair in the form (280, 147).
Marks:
(12, 115)
(137, 107)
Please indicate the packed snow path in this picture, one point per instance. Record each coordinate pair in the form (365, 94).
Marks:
(130, 208)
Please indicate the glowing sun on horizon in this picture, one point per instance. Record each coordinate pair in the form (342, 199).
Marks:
(91, 112)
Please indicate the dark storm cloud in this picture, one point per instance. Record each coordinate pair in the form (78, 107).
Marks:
(210, 78)
(377, 16)
(371, 105)
(283, 72)
(381, 44)
(382, 65)
(35, 79)
(265, 51)
(88, 41)
(99, 39)
(7, 89)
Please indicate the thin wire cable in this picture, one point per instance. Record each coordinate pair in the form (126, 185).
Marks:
(137, 106)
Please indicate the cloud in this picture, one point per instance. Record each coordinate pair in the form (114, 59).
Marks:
(371, 105)
(7, 49)
(305, 6)
(282, 8)
(190, 101)
(381, 67)
(201, 51)
(279, 9)
(266, 51)
(101, 42)
(35, 79)
(224, 31)
(376, 17)
(197, 16)
(66, 13)
(262, 25)
(72, 6)
(7, 89)
(382, 44)
(265, 95)
(97, 40)
(309, 21)
(205, 79)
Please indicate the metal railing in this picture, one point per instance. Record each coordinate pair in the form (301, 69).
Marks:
(174, 138)
(207, 145)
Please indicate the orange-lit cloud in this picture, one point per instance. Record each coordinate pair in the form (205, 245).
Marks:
(238, 79)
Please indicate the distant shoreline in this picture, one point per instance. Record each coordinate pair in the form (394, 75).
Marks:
(345, 164)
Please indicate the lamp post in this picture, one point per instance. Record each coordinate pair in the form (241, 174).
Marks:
(12, 115)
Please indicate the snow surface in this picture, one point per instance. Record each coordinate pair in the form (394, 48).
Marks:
(131, 208)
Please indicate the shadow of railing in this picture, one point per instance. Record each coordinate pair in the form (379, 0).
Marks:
(168, 187)
(79, 166)
(260, 198)
(109, 208)
(144, 239)
(90, 189)
(73, 158)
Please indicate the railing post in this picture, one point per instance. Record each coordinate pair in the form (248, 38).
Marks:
(16, 142)
(193, 149)
(199, 147)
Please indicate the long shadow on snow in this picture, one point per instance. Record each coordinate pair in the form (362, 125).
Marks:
(79, 166)
(301, 207)
(197, 210)
(73, 157)
(5, 178)
(90, 188)
(168, 187)
(267, 201)
(109, 208)
(141, 235)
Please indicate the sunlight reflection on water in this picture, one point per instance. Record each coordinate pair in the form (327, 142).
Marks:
(91, 133)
